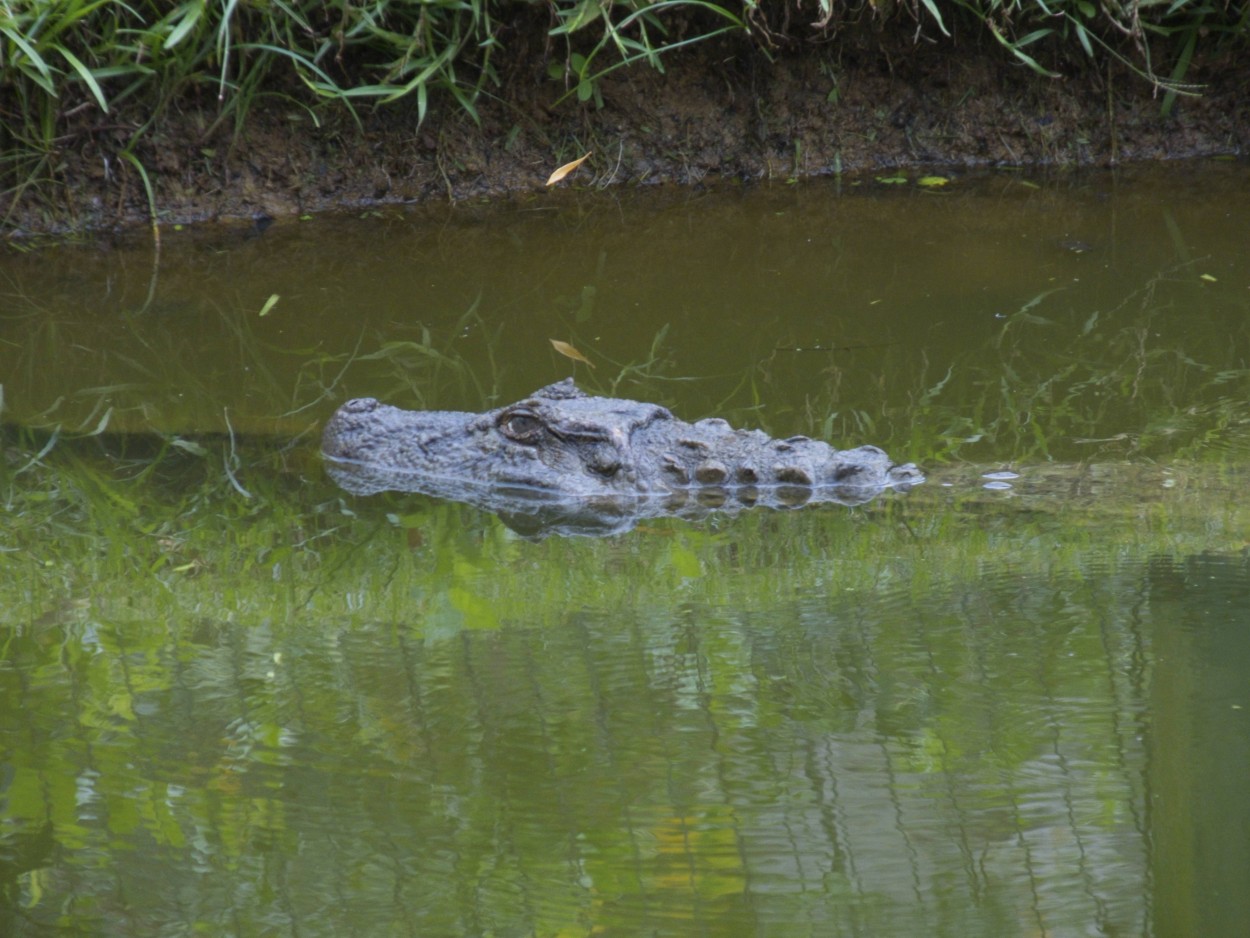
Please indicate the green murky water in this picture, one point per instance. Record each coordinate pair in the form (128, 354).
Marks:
(234, 700)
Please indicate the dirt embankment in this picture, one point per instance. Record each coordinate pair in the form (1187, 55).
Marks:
(721, 110)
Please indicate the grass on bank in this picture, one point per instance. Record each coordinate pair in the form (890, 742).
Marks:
(80, 71)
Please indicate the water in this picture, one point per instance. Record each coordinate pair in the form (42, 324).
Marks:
(1009, 702)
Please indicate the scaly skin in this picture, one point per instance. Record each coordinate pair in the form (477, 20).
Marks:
(562, 443)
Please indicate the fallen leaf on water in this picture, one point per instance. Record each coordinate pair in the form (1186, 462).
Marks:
(566, 169)
(569, 352)
(932, 182)
(269, 305)
(1208, 278)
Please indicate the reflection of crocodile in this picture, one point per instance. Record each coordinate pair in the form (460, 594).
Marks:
(592, 464)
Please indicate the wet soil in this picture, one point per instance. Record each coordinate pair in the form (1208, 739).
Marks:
(721, 110)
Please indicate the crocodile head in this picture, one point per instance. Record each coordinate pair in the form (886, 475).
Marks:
(559, 440)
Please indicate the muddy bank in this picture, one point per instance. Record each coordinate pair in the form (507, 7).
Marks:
(720, 111)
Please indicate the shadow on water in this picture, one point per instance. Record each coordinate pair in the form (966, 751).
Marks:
(235, 699)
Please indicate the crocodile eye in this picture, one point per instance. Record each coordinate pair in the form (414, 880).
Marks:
(523, 428)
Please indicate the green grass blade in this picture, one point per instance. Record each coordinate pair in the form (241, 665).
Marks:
(85, 74)
(937, 16)
(147, 187)
(223, 45)
(1014, 48)
(1182, 65)
(188, 22)
(579, 17)
(1084, 38)
(423, 77)
(43, 74)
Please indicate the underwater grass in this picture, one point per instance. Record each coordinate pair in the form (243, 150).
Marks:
(189, 520)
(255, 529)
(247, 526)
(1123, 380)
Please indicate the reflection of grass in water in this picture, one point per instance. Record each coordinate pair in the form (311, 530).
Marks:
(166, 605)
(142, 599)
(167, 522)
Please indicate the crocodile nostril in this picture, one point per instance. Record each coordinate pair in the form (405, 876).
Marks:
(604, 461)
(361, 405)
(607, 467)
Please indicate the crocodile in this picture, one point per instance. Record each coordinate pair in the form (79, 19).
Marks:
(565, 461)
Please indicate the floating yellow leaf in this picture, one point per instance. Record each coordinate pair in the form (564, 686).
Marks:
(565, 170)
(569, 352)
(932, 182)
(269, 305)
(1208, 278)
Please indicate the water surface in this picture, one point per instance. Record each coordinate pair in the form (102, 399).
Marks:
(234, 699)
